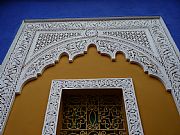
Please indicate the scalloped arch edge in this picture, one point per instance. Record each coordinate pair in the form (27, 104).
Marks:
(40, 71)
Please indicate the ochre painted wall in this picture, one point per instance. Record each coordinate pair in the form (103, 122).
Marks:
(157, 109)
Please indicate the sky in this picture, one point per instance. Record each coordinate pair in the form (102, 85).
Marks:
(13, 12)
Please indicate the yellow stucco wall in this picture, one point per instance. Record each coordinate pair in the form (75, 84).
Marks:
(157, 109)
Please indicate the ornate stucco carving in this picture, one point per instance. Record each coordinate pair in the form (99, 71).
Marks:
(124, 84)
(39, 44)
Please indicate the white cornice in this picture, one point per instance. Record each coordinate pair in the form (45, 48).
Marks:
(91, 19)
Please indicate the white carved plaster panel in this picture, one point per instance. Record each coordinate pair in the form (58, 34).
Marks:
(124, 84)
(39, 44)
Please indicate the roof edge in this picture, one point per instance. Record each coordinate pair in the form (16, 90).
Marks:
(91, 19)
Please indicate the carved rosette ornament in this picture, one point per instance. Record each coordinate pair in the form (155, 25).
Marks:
(40, 43)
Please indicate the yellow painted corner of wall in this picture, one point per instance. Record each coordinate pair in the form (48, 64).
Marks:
(157, 109)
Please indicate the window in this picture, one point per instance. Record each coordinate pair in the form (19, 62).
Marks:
(74, 110)
(96, 112)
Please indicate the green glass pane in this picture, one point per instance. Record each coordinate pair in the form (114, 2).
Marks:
(92, 117)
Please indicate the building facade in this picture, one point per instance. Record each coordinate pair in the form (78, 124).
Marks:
(128, 66)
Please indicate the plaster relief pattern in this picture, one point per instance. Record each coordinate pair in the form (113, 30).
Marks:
(21, 65)
(45, 39)
(139, 37)
(126, 84)
(148, 64)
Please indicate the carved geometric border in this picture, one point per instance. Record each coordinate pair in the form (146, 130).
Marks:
(39, 44)
(124, 84)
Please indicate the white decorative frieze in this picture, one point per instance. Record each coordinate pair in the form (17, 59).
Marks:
(124, 84)
(40, 43)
